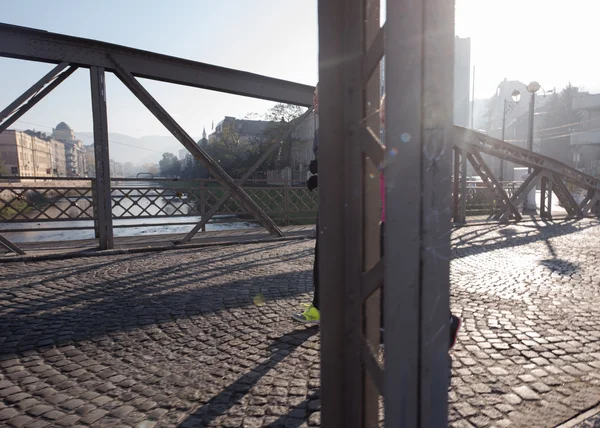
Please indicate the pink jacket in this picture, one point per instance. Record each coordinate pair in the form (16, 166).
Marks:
(382, 190)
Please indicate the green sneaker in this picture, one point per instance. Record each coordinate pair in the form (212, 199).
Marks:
(309, 316)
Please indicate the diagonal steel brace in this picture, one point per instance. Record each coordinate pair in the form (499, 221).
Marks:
(37, 96)
(215, 208)
(214, 168)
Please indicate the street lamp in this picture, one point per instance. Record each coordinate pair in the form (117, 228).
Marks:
(532, 88)
(516, 97)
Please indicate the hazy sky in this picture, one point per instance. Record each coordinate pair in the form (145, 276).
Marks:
(551, 41)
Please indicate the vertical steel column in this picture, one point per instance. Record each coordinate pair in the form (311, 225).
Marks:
(102, 182)
(546, 198)
(419, 55)
(371, 207)
(459, 191)
(341, 26)
(463, 186)
(456, 185)
(286, 202)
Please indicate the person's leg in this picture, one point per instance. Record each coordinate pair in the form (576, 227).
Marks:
(315, 301)
(312, 314)
(381, 246)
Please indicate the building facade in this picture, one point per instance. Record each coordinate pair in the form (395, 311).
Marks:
(25, 155)
(585, 135)
(462, 81)
(75, 151)
(59, 163)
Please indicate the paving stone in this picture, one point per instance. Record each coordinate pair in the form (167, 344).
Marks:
(7, 413)
(19, 421)
(39, 409)
(54, 415)
(512, 399)
(93, 416)
(526, 393)
(177, 333)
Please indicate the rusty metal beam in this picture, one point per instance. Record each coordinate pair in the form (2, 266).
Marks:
(37, 95)
(216, 207)
(475, 141)
(341, 101)
(492, 183)
(519, 196)
(8, 245)
(375, 371)
(372, 52)
(564, 196)
(214, 168)
(372, 146)
(38, 45)
(102, 188)
(418, 59)
(546, 198)
(33, 90)
(459, 192)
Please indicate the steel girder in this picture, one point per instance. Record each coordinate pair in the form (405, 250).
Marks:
(43, 46)
(550, 172)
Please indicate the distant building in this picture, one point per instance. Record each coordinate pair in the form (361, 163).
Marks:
(585, 136)
(59, 162)
(241, 129)
(182, 154)
(203, 141)
(462, 81)
(116, 169)
(25, 154)
(75, 152)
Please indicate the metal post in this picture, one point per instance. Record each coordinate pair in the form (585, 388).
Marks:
(102, 180)
(463, 186)
(456, 185)
(530, 204)
(202, 203)
(530, 125)
(341, 27)
(419, 55)
(501, 178)
(543, 200)
(371, 214)
(286, 202)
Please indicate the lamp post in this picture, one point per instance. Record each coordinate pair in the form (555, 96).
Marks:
(532, 88)
(516, 97)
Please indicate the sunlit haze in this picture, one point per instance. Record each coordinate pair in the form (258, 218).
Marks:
(549, 41)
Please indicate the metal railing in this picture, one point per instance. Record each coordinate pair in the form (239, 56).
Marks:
(54, 200)
(482, 201)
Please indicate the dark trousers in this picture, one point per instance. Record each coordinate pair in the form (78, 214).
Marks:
(315, 301)
(381, 233)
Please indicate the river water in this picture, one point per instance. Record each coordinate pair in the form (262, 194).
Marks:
(145, 202)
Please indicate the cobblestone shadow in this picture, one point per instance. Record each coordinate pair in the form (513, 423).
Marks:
(233, 394)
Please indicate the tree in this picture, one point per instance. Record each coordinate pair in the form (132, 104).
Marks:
(284, 112)
(192, 168)
(169, 165)
(559, 121)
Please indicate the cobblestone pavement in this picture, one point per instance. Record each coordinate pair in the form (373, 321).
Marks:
(203, 337)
